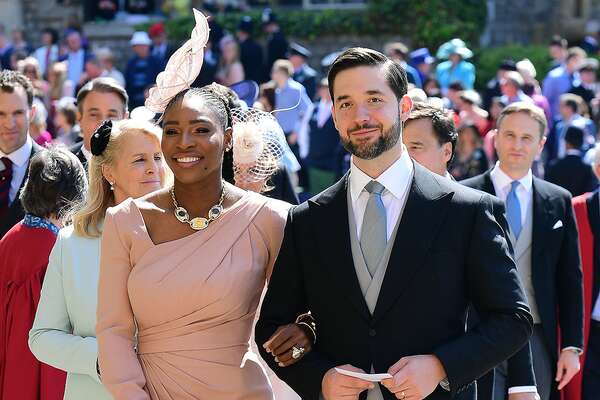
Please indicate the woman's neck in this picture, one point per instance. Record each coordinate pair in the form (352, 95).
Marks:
(197, 198)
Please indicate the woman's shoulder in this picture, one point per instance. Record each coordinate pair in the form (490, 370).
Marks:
(272, 209)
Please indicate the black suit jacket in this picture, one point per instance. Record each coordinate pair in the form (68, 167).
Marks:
(77, 150)
(16, 212)
(308, 78)
(572, 174)
(556, 272)
(593, 209)
(449, 252)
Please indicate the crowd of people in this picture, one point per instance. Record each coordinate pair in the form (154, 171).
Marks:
(150, 227)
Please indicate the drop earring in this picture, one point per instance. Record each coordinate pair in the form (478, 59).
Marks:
(112, 187)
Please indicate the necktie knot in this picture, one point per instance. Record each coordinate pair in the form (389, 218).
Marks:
(374, 187)
(514, 185)
(6, 163)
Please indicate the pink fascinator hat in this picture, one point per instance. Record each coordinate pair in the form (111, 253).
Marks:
(182, 68)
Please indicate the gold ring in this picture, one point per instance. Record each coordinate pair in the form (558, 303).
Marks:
(402, 396)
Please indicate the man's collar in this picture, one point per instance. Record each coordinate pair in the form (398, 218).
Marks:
(20, 156)
(86, 153)
(395, 179)
(501, 179)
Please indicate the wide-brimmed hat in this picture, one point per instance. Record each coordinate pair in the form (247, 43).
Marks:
(454, 46)
(140, 38)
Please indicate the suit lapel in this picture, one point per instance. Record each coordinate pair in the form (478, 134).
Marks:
(330, 224)
(488, 185)
(423, 214)
(541, 227)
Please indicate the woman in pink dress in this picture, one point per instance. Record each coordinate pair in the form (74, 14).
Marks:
(185, 268)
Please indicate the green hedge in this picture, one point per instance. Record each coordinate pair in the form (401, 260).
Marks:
(487, 61)
(426, 22)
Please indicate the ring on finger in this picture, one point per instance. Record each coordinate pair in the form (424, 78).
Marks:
(402, 396)
(297, 351)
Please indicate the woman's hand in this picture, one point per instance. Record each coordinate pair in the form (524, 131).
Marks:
(287, 337)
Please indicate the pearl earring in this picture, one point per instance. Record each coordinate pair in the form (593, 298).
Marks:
(112, 187)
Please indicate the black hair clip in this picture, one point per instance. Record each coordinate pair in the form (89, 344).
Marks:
(101, 137)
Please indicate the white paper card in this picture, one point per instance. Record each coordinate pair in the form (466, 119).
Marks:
(365, 377)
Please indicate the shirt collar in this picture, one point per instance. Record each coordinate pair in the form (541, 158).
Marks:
(20, 156)
(86, 153)
(395, 179)
(502, 180)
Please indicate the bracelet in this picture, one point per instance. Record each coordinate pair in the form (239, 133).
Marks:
(311, 328)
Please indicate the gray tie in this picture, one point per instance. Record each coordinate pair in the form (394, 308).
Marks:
(373, 233)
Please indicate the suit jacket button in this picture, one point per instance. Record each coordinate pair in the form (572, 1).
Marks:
(372, 332)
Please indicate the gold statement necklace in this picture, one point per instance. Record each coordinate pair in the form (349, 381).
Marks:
(198, 223)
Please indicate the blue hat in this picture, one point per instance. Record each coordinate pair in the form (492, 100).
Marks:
(421, 56)
(454, 46)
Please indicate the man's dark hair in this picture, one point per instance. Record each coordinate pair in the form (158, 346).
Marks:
(574, 137)
(9, 80)
(441, 120)
(103, 85)
(56, 182)
(559, 42)
(354, 57)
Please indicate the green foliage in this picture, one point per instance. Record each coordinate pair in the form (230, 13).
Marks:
(425, 22)
(487, 60)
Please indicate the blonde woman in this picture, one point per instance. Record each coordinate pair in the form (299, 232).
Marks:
(60, 86)
(231, 70)
(126, 162)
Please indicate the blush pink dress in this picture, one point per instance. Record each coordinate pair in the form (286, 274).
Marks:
(190, 303)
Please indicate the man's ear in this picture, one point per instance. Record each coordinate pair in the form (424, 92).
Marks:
(405, 107)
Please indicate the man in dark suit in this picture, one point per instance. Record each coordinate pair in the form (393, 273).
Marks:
(570, 172)
(98, 100)
(16, 147)
(587, 87)
(251, 54)
(388, 260)
(303, 73)
(545, 241)
(277, 44)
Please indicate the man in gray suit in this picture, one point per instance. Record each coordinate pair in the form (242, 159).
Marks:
(545, 241)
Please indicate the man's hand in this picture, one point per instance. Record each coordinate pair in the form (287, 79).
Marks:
(524, 396)
(415, 377)
(337, 386)
(566, 368)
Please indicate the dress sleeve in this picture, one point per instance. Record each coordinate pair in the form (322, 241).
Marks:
(119, 365)
(51, 339)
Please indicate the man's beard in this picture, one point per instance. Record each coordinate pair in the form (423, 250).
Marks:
(369, 151)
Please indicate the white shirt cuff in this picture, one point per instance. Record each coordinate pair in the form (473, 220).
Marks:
(522, 389)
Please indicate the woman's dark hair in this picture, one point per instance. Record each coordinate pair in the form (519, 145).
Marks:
(55, 184)
(267, 90)
(53, 34)
(354, 57)
(212, 96)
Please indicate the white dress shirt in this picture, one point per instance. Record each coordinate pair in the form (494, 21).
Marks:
(502, 185)
(20, 160)
(396, 179)
(86, 153)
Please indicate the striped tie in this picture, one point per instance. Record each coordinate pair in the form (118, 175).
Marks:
(5, 180)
